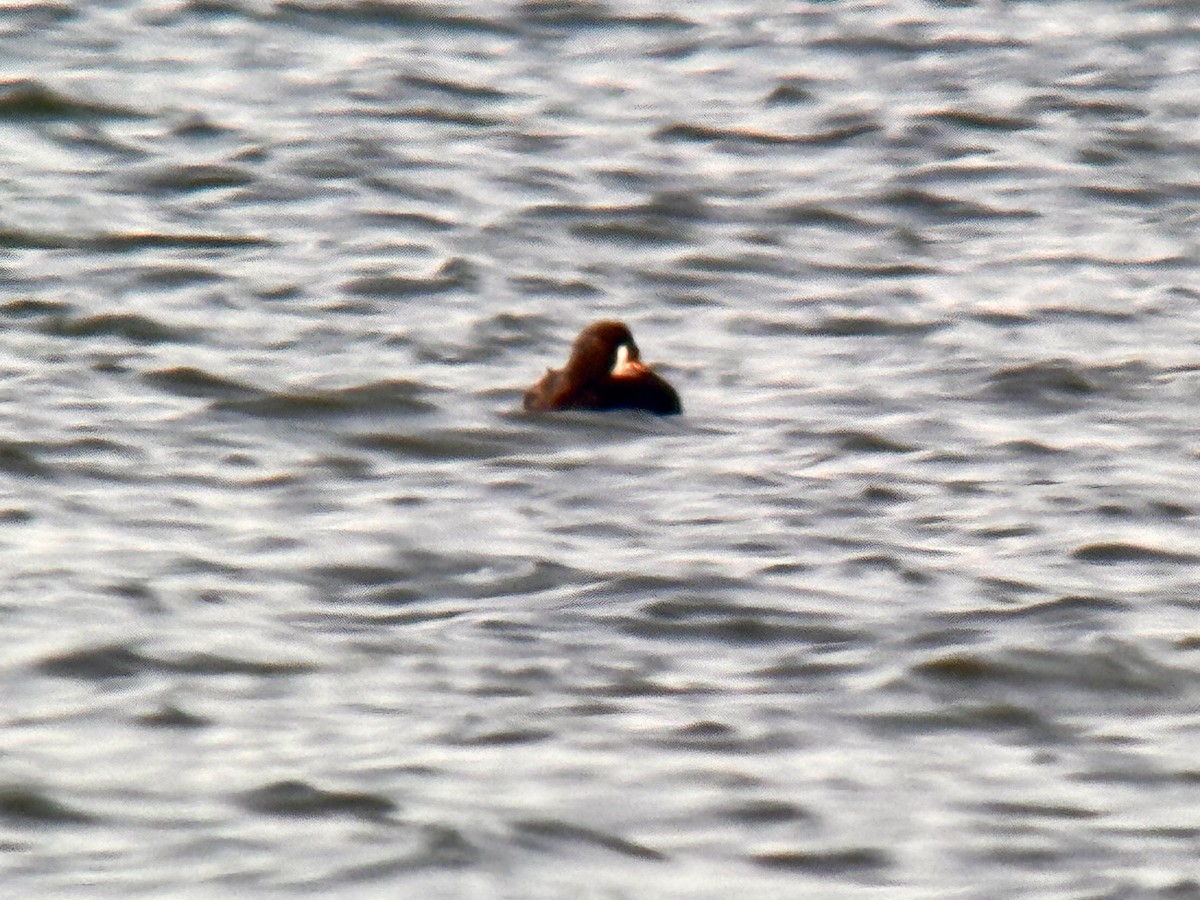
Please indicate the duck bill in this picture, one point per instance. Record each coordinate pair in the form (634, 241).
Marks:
(625, 367)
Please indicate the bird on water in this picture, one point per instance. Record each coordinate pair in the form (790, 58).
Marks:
(605, 372)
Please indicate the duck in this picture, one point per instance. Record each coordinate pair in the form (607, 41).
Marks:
(605, 372)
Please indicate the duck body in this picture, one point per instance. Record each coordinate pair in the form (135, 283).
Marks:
(605, 372)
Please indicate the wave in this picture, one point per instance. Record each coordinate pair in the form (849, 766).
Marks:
(109, 661)
(30, 100)
(301, 799)
(690, 132)
(30, 806)
(1114, 552)
(391, 397)
(132, 327)
(453, 275)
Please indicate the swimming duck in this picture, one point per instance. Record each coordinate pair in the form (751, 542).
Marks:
(605, 372)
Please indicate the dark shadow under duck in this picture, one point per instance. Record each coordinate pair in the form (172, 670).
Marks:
(604, 372)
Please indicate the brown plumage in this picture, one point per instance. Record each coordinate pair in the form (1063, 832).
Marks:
(604, 372)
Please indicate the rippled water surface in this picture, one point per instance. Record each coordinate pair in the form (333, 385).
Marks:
(297, 601)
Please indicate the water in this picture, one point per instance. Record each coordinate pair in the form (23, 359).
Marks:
(299, 602)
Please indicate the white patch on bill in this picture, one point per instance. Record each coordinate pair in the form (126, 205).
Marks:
(622, 366)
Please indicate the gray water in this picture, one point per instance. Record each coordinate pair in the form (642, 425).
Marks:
(298, 602)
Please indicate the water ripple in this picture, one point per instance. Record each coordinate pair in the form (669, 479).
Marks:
(389, 397)
(550, 835)
(23, 805)
(27, 100)
(300, 799)
(399, 14)
(128, 326)
(748, 136)
(123, 661)
(1121, 552)
(452, 275)
(851, 861)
